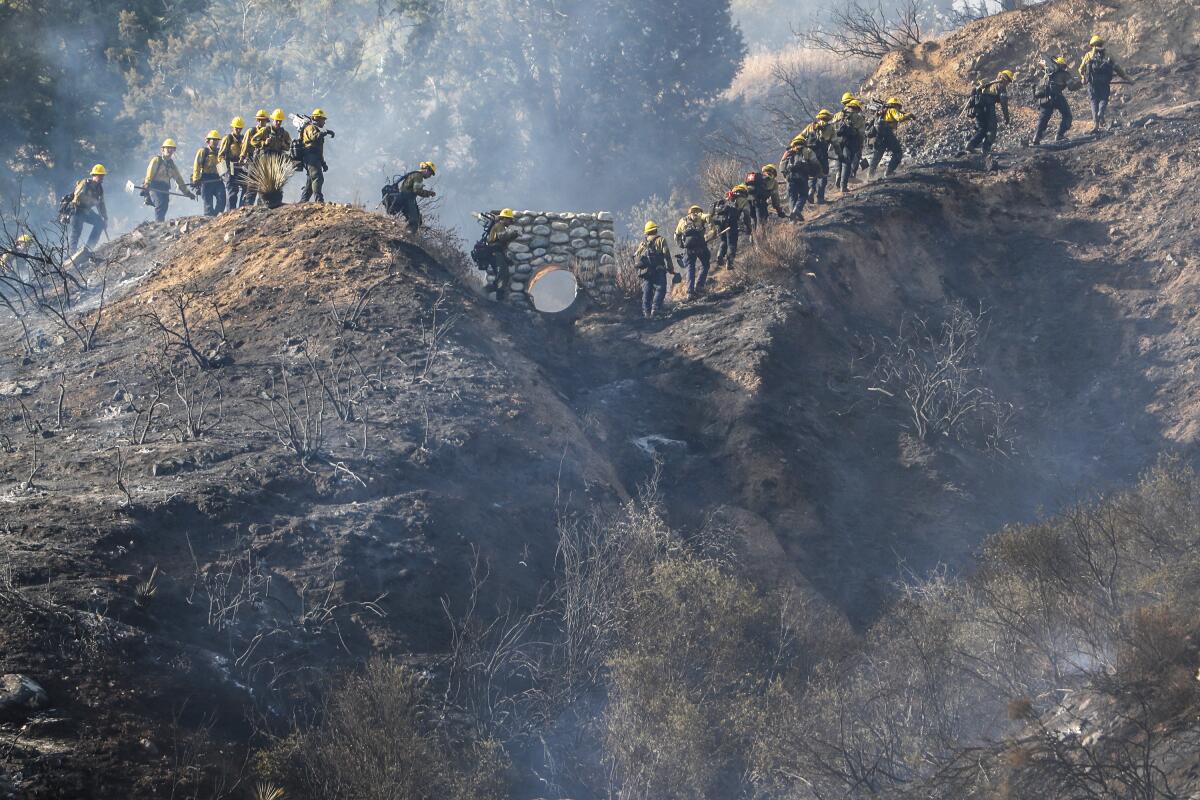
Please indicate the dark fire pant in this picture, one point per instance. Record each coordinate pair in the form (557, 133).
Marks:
(798, 196)
(819, 182)
(91, 217)
(727, 251)
(160, 198)
(986, 127)
(1049, 106)
(314, 182)
(654, 291)
(696, 277)
(886, 142)
(1099, 94)
(411, 210)
(212, 193)
(234, 187)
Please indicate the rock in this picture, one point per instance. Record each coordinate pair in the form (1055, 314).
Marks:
(607, 249)
(606, 259)
(20, 696)
(17, 388)
(525, 238)
(608, 236)
(517, 286)
(540, 251)
(585, 254)
(604, 216)
(559, 238)
(518, 247)
(560, 226)
(541, 229)
(577, 244)
(542, 220)
(579, 232)
(522, 256)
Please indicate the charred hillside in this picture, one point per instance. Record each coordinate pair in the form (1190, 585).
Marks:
(299, 440)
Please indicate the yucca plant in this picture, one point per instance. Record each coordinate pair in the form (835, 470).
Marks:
(145, 590)
(267, 175)
(267, 791)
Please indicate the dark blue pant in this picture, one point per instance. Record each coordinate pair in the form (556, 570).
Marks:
(160, 198)
(886, 142)
(1049, 106)
(727, 251)
(798, 196)
(819, 182)
(696, 277)
(654, 291)
(212, 193)
(234, 188)
(1099, 94)
(91, 217)
(314, 182)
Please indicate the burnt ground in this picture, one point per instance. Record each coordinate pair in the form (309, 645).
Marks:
(274, 568)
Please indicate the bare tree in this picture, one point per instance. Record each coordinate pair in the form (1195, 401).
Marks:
(183, 329)
(863, 30)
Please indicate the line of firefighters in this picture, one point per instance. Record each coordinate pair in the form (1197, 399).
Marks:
(235, 153)
(805, 167)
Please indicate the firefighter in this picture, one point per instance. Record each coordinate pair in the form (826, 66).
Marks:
(691, 234)
(312, 140)
(87, 206)
(251, 151)
(502, 232)
(653, 261)
(850, 128)
(731, 215)
(1096, 71)
(15, 260)
(412, 186)
(1052, 96)
(159, 174)
(799, 165)
(230, 154)
(205, 178)
(274, 138)
(769, 192)
(982, 106)
(820, 136)
(890, 117)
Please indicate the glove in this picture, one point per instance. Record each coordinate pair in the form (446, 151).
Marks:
(324, 166)
(190, 196)
(781, 214)
(331, 134)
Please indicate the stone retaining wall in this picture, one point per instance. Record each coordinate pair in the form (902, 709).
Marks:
(582, 243)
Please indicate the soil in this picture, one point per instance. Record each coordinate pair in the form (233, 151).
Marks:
(273, 570)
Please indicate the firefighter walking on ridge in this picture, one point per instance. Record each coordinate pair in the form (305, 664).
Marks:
(1052, 96)
(890, 117)
(412, 186)
(820, 136)
(500, 234)
(86, 205)
(799, 164)
(1096, 71)
(731, 215)
(159, 174)
(985, 97)
(205, 178)
(312, 148)
(691, 234)
(229, 153)
(653, 261)
(850, 130)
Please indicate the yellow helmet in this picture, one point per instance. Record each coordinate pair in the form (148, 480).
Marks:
(798, 139)
(769, 169)
(1096, 41)
(168, 143)
(237, 122)
(213, 134)
(99, 170)
(855, 104)
(507, 213)
(317, 114)
(894, 102)
(260, 114)
(824, 113)
(694, 209)
(277, 115)
(1062, 62)
(1007, 74)
(24, 238)
(429, 165)
(741, 187)
(651, 227)
(847, 97)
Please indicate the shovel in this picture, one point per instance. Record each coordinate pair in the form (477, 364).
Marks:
(130, 187)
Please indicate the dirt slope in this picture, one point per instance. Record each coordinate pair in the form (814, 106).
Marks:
(273, 571)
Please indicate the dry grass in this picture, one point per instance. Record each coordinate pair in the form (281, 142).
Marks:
(776, 251)
(718, 175)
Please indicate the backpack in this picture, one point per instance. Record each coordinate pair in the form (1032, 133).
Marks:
(296, 151)
(390, 195)
(1100, 69)
(758, 185)
(65, 207)
(482, 251)
(693, 235)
